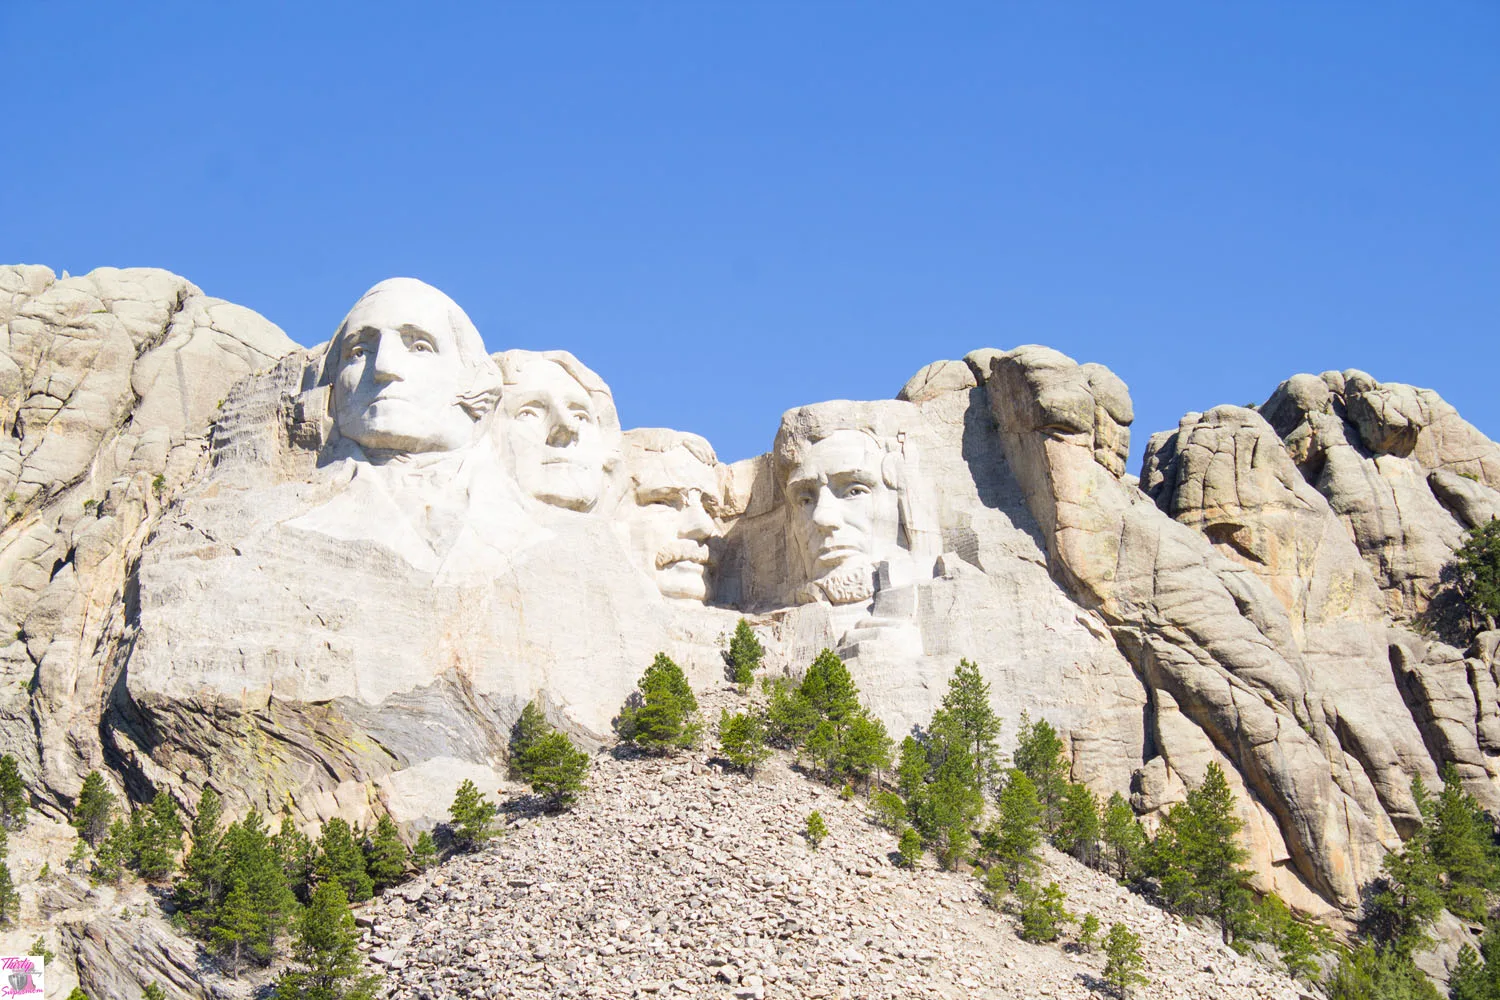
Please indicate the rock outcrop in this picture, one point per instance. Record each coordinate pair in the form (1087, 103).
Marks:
(324, 580)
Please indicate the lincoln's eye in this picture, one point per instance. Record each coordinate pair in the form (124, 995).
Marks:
(421, 347)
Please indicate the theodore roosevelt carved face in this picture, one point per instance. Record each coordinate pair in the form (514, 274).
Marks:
(409, 371)
(561, 432)
(673, 495)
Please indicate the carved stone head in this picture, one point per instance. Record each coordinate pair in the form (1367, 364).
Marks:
(841, 471)
(408, 371)
(670, 508)
(561, 429)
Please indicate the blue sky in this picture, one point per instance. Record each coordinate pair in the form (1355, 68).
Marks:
(732, 209)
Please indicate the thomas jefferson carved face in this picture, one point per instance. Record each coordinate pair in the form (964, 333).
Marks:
(404, 362)
(843, 517)
(671, 522)
(555, 434)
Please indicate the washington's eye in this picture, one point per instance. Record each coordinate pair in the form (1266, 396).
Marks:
(529, 411)
(357, 351)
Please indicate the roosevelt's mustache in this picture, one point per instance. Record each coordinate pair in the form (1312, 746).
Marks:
(683, 550)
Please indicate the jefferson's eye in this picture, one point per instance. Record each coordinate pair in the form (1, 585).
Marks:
(856, 490)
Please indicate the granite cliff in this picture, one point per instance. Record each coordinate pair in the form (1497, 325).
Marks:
(326, 579)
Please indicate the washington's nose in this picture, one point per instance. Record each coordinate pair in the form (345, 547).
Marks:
(389, 351)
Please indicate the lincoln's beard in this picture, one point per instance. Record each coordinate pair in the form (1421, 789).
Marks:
(849, 583)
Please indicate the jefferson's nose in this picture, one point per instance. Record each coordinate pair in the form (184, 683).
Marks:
(390, 351)
(561, 434)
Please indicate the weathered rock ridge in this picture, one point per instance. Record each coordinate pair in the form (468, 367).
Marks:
(326, 579)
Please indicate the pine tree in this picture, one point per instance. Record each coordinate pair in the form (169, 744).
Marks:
(10, 899)
(888, 810)
(94, 809)
(203, 869)
(385, 854)
(864, 749)
(1477, 566)
(745, 654)
(1123, 962)
(816, 830)
(546, 759)
(1042, 912)
(328, 963)
(967, 712)
(1039, 756)
(153, 992)
(663, 715)
(236, 925)
(1015, 837)
(742, 739)
(158, 838)
(472, 815)
(78, 994)
(790, 718)
(1088, 932)
(1197, 856)
(1467, 980)
(13, 798)
(424, 852)
(1463, 847)
(1408, 896)
(114, 853)
(1078, 827)
(911, 769)
(1368, 973)
(946, 808)
(251, 858)
(909, 847)
(297, 855)
(1124, 840)
(341, 860)
(829, 689)
(994, 886)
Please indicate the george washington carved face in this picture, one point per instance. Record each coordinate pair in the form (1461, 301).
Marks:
(409, 371)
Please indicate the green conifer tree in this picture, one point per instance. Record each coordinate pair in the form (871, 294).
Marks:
(909, 848)
(1408, 897)
(1369, 973)
(328, 963)
(949, 804)
(530, 727)
(78, 994)
(251, 858)
(114, 853)
(1468, 979)
(1477, 566)
(887, 809)
(236, 926)
(790, 718)
(817, 830)
(385, 855)
(742, 739)
(158, 838)
(1088, 932)
(1124, 840)
(546, 759)
(911, 769)
(1042, 911)
(424, 852)
(341, 860)
(1123, 962)
(966, 715)
(297, 853)
(1463, 847)
(94, 809)
(153, 992)
(13, 796)
(199, 888)
(10, 899)
(829, 689)
(1078, 826)
(864, 749)
(1016, 836)
(1039, 756)
(663, 715)
(472, 816)
(1198, 858)
(745, 654)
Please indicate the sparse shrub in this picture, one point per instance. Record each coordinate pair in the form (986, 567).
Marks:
(472, 816)
(663, 715)
(816, 831)
(40, 950)
(159, 484)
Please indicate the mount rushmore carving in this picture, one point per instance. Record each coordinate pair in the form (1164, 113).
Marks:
(326, 580)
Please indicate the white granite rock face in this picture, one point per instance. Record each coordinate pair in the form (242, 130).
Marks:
(333, 593)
